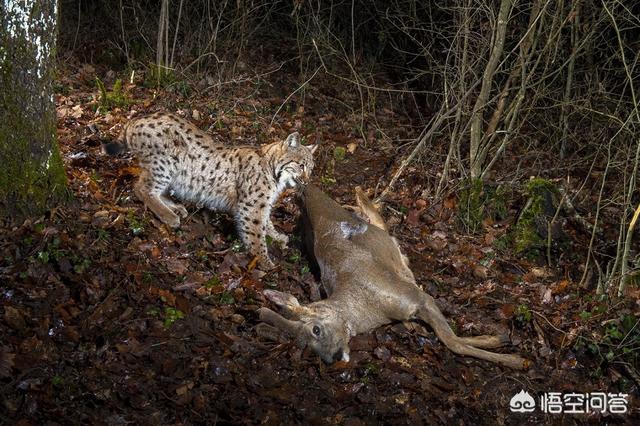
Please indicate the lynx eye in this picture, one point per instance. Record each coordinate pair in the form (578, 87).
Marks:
(316, 330)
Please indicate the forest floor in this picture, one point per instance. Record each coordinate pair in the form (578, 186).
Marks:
(108, 317)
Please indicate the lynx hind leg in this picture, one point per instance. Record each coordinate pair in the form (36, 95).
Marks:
(177, 208)
(253, 231)
(149, 189)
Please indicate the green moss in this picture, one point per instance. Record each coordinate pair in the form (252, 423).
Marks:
(478, 201)
(171, 315)
(542, 198)
(540, 186)
(29, 185)
(339, 153)
(523, 315)
(503, 243)
(471, 206)
(159, 76)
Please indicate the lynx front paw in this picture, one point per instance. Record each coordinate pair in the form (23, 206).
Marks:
(172, 221)
(266, 263)
(282, 239)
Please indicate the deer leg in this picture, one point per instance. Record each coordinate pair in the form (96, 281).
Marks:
(486, 341)
(431, 314)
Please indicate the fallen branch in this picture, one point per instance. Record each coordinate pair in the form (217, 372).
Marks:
(573, 214)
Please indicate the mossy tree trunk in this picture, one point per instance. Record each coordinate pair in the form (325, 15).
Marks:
(32, 177)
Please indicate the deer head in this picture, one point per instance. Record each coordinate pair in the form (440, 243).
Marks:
(318, 326)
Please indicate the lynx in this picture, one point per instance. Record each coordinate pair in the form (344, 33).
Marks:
(180, 160)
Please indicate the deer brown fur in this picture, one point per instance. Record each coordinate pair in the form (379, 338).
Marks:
(368, 283)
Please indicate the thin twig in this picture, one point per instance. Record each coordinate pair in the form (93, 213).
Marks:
(293, 93)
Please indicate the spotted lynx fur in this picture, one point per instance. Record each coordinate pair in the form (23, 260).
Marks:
(181, 160)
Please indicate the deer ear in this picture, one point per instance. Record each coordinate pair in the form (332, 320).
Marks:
(292, 140)
(369, 209)
(283, 300)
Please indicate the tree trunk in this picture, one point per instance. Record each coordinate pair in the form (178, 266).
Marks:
(32, 177)
(475, 150)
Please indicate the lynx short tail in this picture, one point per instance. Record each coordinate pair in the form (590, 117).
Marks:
(113, 148)
(119, 145)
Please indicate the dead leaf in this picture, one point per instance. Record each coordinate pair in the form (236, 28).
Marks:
(413, 217)
(6, 362)
(101, 219)
(439, 234)
(253, 263)
(352, 147)
(436, 244)
(166, 296)
(236, 130)
(489, 238)
(76, 111)
(560, 286)
(14, 318)
(176, 266)
(129, 171)
(480, 271)
(506, 311)
(450, 203)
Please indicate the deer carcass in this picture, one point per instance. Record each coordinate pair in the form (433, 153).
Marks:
(368, 283)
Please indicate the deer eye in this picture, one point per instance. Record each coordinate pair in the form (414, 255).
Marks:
(316, 330)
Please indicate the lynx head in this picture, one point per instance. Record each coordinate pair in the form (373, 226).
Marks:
(317, 325)
(292, 162)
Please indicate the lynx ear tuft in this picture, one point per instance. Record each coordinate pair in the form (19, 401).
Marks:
(293, 140)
